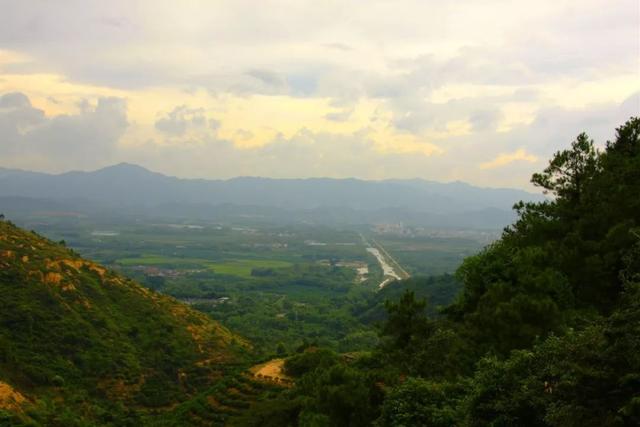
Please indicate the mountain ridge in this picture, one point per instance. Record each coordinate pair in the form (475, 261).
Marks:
(131, 188)
(127, 166)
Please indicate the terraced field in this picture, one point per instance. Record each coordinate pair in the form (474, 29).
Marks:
(224, 403)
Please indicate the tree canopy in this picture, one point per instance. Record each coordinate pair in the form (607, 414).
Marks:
(545, 331)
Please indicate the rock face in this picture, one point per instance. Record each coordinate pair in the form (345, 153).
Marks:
(73, 330)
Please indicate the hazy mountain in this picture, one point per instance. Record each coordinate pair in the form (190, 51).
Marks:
(131, 188)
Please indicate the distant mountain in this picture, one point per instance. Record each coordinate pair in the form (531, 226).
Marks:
(131, 188)
(80, 342)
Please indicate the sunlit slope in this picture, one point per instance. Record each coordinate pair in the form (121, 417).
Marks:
(70, 327)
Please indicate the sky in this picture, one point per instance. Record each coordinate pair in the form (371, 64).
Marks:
(482, 91)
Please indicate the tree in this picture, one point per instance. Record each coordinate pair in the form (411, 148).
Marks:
(407, 321)
(417, 402)
(569, 170)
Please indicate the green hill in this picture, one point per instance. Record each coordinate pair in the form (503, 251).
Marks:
(82, 345)
(545, 330)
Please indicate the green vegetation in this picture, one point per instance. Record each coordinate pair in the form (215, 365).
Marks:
(538, 329)
(431, 256)
(273, 285)
(544, 332)
(234, 267)
(85, 345)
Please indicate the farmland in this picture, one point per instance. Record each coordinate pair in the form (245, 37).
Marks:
(279, 286)
(231, 267)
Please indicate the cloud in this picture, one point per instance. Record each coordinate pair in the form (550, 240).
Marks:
(483, 120)
(239, 47)
(62, 141)
(17, 119)
(268, 78)
(91, 138)
(14, 101)
(304, 154)
(417, 88)
(93, 132)
(338, 46)
(506, 158)
(181, 118)
(339, 116)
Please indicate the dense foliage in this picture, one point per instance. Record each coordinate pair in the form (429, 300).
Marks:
(546, 329)
(87, 345)
(276, 285)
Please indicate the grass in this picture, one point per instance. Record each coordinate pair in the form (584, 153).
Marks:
(159, 260)
(429, 256)
(232, 267)
(243, 267)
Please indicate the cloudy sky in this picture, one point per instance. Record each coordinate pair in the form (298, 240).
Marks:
(476, 90)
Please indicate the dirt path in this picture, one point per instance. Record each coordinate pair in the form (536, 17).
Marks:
(271, 370)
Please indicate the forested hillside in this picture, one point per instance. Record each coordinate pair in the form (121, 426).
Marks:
(545, 332)
(81, 345)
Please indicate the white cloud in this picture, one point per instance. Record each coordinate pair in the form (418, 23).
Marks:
(32, 140)
(416, 88)
(506, 158)
(181, 118)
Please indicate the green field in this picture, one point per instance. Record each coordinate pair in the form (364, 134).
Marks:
(243, 267)
(232, 267)
(283, 285)
(429, 256)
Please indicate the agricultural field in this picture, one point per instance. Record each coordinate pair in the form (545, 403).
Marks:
(429, 256)
(231, 267)
(279, 286)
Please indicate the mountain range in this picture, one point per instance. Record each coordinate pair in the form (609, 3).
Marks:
(127, 188)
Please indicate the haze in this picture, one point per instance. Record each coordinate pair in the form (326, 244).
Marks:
(482, 92)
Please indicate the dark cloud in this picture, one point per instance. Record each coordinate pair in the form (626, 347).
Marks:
(554, 129)
(176, 122)
(484, 120)
(86, 138)
(132, 45)
(269, 78)
(393, 55)
(14, 100)
(214, 124)
(89, 139)
(339, 116)
(17, 119)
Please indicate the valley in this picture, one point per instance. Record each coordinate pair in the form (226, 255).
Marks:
(319, 214)
(134, 320)
(277, 285)
(276, 290)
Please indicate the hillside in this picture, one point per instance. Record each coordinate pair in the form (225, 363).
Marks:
(80, 342)
(543, 332)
